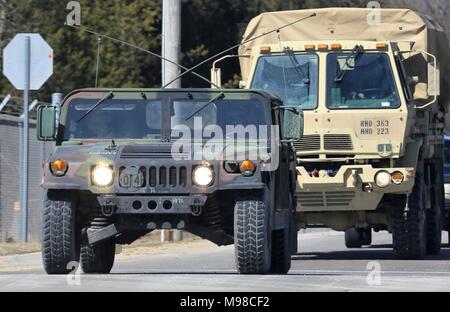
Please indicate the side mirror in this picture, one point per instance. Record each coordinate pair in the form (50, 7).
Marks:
(46, 123)
(293, 124)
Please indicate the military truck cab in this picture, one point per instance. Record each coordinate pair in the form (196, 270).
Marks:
(217, 163)
(374, 105)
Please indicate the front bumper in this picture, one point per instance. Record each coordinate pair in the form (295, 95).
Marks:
(183, 204)
(352, 188)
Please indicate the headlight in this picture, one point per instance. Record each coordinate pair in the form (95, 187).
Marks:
(102, 175)
(203, 176)
(383, 179)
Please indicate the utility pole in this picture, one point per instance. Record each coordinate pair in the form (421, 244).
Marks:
(171, 42)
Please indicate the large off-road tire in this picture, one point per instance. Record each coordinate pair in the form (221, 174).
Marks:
(434, 230)
(60, 234)
(366, 236)
(252, 236)
(353, 238)
(282, 248)
(97, 259)
(409, 233)
(434, 213)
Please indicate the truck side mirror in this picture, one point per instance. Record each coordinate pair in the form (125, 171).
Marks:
(46, 123)
(293, 124)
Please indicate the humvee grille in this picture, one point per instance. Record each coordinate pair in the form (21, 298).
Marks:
(338, 142)
(326, 199)
(308, 143)
(167, 176)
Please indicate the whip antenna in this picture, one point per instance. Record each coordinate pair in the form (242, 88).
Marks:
(100, 36)
(236, 46)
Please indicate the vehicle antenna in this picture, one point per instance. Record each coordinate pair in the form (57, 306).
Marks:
(236, 46)
(99, 35)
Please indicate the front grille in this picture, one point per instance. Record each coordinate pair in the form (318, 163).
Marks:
(153, 151)
(326, 199)
(308, 143)
(339, 142)
(167, 176)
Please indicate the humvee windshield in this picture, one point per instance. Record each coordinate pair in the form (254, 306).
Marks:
(365, 81)
(292, 77)
(142, 119)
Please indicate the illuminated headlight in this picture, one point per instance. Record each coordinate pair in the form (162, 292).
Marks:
(203, 176)
(383, 179)
(102, 175)
(447, 191)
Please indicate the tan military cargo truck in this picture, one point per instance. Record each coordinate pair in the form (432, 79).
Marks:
(374, 102)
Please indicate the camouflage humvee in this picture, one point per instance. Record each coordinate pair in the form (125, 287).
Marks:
(128, 162)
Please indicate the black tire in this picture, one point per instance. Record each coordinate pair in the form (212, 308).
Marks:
(434, 230)
(409, 224)
(366, 236)
(252, 236)
(60, 235)
(353, 238)
(434, 213)
(294, 237)
(97, 259)
(282, 248)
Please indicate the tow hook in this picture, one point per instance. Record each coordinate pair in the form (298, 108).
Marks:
(196, 208)
(108, 209)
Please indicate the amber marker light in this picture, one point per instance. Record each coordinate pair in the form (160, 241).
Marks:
(264, 50)
(397, 177)
(336, 46)
(322, 46)
(59, 167)
(382, 46)
(310, 47)
(247, 168)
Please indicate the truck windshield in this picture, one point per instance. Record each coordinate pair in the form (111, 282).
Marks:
(365, 81)
(293, 77)
(142, 119)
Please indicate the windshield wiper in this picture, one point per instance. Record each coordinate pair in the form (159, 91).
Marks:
(219, 96)
(304, 76)
(357, 51)
(108, 96)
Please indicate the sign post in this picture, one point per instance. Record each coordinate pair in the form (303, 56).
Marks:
(25, 150)
(27, 63)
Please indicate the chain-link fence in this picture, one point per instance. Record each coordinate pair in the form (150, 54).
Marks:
(10, 160)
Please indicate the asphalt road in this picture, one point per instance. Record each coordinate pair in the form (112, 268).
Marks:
(323, 264)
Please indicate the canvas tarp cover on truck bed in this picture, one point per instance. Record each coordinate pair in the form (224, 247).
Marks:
(398, 25)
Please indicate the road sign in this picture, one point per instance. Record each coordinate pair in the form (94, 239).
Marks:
(41, 61)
